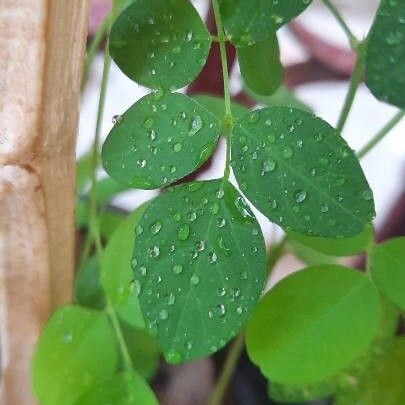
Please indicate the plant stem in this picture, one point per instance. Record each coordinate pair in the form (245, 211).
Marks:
(94, 45)
(380, 135)
(228, 369)
(228, 121)
(354, 85)
(239, 342)
(93, 206)
(351, 37)
(120, 337)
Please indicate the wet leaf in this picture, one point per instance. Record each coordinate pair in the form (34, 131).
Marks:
(337, 247)
(260, 66)
(76, 350)
(299, 172)
(127, 388)
(161, 44)
(385, 57)
(248, 22)
(313, 324)
(116, 275)
(387, 264)
(159, 140)
(216, 106)
(199, 265)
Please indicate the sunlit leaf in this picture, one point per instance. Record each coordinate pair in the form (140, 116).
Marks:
(313, 324)
(127, 388)
(300, 173)
(385, 57)
(76, 350)
(248, 22)
(199, 266)
(260, 66)
(160, 43)
(159, 140)
(387, 263)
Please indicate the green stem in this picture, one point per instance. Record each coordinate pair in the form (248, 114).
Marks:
(228, 369)
(94, 46)
(351, 37)
(380, 135)
(120, 337)
(354, 85)
(228, 121)
(239, 342)
(93, 206)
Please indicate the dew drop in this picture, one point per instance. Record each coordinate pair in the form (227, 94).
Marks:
(156, 227)
(177, 268)
(300, 196)
(183, 232)
(177, 147)
(173, 357)
(194, 280)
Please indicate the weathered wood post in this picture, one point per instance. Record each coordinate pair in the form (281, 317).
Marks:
(42, 45)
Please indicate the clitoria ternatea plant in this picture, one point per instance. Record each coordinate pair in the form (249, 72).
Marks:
(184, 273)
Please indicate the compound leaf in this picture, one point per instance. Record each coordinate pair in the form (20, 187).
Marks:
(387, 263)
(127, 388)
(76, 350)
(260, 66)
(159, 140)
(199, 265)
(385, 58)
(248, 22)
(161, 44)
(313, 324)
(299, 172)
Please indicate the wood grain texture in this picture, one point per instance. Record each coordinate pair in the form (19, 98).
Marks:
(42, 45)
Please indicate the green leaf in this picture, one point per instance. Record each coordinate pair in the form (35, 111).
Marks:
(216, 106)
(159, 140)
(83, 171)
(298, 171)
(116, 273)
(354, 374)
(313, 324)
(337, 247)
(310, 257)
(199, 266)
(248, 22)
(142, 349)
(387, 264)
(385, 56)
(127, 388)
(291, 393)
(261, 67)
(161, 44)
(282, 97)
(110, 220)
(76, 350)
(384, 385)
(88, 289)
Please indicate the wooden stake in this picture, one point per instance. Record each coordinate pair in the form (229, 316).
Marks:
(42, 45)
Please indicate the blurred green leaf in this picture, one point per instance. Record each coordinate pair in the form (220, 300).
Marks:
(387, 264)
(261, 67)
(313, 324)
(76, 350)
(127, 388)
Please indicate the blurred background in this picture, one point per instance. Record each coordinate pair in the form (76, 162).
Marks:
(318, 63)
